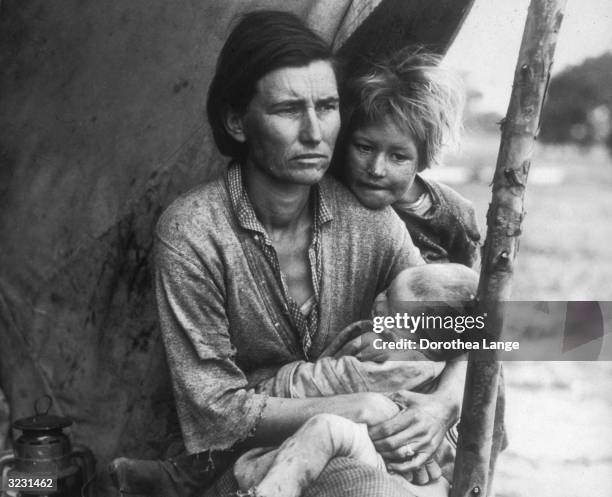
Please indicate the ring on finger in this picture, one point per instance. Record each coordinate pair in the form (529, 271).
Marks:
(408, 452)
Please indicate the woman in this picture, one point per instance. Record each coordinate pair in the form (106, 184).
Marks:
(263, 266)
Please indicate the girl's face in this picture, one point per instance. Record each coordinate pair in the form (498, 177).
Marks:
(381, 163)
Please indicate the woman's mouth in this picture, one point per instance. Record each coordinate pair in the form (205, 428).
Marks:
(309, 158)
(370, 186)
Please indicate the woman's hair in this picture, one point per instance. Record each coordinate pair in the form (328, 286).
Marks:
(415, 92)
(261, 42)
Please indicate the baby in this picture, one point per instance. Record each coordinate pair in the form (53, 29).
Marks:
(349, 363)
(305, 454)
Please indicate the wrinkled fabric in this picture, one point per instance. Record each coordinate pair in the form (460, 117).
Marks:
(223, 312)
(286, 471)
(329, 376)
(334, 376)
(347, 374)
(305, 318)
(448, 232)
(346, 477)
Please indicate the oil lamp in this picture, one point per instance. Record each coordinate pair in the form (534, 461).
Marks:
(44, 462)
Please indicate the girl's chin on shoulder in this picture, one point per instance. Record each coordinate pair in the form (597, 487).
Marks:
(372, 200)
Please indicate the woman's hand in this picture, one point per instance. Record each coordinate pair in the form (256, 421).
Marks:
(409, 440)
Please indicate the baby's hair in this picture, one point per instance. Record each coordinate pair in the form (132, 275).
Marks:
(450, 282)
(415, 92)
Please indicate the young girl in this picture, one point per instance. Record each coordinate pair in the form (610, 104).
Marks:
(397, 116)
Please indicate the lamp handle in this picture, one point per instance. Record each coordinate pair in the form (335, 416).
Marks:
(89, 469)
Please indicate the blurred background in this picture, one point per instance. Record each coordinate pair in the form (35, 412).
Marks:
(558, 413)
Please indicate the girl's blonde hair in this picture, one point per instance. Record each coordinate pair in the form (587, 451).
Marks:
(413, 90)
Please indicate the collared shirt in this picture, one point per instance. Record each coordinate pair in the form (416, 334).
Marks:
(306, 323)
(223, 312)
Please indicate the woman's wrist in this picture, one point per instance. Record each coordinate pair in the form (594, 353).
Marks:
(450, 389)
(452, 407)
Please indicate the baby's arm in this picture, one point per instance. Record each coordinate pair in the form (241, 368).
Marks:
(343, 373)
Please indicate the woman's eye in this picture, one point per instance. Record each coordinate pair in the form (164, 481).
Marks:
(327, 107)
(288, 111)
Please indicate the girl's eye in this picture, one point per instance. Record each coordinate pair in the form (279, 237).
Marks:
(362, 147)
(401, 158)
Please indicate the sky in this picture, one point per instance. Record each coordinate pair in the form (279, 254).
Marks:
(487, 46)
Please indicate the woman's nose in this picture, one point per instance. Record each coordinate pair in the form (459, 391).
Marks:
(310, 131)
(377, 167)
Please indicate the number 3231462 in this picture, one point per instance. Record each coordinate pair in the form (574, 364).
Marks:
(30, 483)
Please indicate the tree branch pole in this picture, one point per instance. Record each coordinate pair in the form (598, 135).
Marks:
(519, 131)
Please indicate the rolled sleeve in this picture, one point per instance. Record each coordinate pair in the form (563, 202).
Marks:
(214, 407)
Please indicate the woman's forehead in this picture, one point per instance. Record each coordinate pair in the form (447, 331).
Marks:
(315, 81)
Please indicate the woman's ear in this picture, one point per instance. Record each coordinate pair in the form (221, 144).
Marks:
(234, 125)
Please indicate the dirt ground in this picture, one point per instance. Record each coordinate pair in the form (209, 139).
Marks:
(558, 419)
(559, 414)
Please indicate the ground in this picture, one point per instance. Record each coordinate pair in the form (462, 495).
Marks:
(558, 413)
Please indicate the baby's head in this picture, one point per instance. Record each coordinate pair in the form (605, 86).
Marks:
(416, 289)
(438, 292)
(396, 117)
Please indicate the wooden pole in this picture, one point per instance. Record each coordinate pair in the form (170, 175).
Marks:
(519, 131)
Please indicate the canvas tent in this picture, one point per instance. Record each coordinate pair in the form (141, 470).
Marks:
(102, 124)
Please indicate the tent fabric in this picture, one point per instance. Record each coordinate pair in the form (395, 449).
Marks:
(102, 124)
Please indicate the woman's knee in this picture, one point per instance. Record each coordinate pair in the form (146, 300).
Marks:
(346, 477)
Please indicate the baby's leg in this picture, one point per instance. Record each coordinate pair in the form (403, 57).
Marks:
(290, 469)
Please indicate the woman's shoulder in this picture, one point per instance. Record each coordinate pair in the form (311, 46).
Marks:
(195, 212)
(347, 206)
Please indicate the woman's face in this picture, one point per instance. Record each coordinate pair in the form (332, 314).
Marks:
(292, 122)
(381, 163)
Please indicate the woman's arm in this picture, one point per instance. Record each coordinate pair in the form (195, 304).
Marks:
(410, 438)
(215, 406)
(282, 417)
